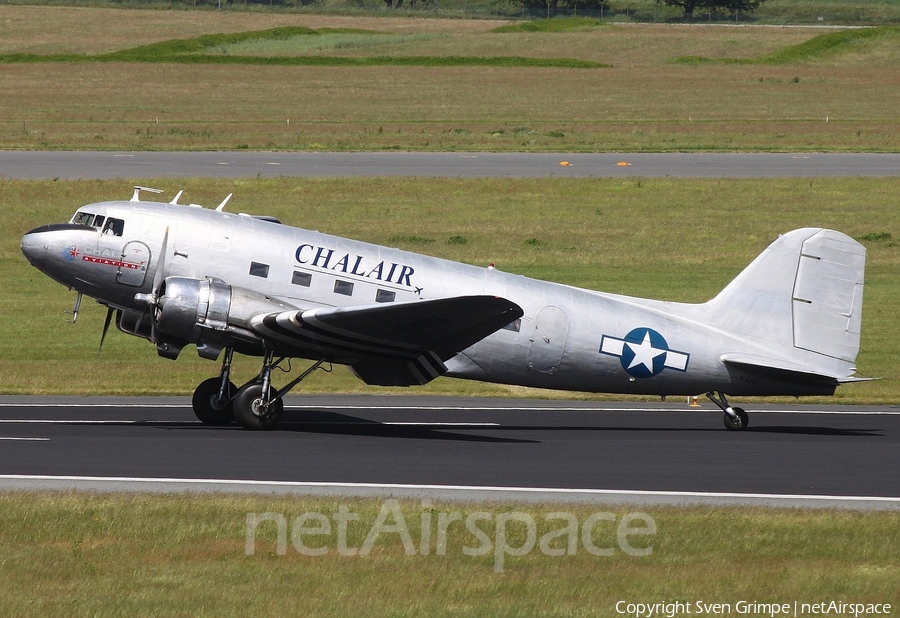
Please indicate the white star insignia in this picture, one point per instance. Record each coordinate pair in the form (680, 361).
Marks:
(644, 353)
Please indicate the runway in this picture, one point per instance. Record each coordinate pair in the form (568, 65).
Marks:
(469, 449)
(138, 165)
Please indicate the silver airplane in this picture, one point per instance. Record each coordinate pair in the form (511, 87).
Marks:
(175, 274)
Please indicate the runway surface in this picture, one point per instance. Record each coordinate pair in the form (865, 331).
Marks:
(136, 165)
(463, 448)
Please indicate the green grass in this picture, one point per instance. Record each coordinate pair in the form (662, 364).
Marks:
(821, 47)
(197, 51)
(562, 24)
(324, 42)
(672, 239)
(81, 554)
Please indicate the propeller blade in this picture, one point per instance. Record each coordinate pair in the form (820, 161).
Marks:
(159, 276)
(109, 314)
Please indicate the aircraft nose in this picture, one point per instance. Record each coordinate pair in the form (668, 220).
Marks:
(34, 245)
(44, 244)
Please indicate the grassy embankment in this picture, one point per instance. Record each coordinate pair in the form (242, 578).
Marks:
(674, 239)
(374, 84)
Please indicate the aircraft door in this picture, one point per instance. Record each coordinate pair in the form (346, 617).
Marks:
(133, 264)
(548, 341)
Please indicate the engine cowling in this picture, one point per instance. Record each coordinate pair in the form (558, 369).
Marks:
(208, 313)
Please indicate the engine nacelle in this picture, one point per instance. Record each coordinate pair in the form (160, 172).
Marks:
(207, 312)
(184, 306)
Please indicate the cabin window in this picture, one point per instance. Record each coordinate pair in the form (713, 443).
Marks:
(114, 227)
(515, 326)
(259, 270)
(385, 296)
(343, 287)
(300, 278)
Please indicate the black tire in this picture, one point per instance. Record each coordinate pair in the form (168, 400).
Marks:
(248, 410)
(739, 423)
(207, 406)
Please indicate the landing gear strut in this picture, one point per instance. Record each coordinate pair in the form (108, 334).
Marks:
(256, 404)
(212, 400)
(735, 418)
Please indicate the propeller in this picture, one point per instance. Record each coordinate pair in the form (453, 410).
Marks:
(159, 276)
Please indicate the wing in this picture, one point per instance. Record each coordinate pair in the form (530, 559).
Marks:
(396, 344)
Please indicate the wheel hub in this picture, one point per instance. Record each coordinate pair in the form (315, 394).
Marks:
(259, 408)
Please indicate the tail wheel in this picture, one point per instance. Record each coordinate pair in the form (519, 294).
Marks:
(209, 408)
(739, 423)
(251, 410)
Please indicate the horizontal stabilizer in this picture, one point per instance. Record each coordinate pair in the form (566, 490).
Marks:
(771, 369)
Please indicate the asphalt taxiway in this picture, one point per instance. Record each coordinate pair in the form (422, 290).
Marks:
(463, 448)
(236, 164)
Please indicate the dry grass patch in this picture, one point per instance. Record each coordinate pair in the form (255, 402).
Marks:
(449, 108)
(643, 103)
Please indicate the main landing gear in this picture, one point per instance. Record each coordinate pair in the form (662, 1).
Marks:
(213, 399)
(255, 405)
(735, 418)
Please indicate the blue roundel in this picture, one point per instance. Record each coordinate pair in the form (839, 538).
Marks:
(644, 353)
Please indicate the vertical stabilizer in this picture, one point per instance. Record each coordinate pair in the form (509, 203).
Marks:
(802, 294)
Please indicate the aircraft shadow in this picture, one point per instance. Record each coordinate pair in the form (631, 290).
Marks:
(342, 424)
(333, 422)
(327, 422)
(818, 431)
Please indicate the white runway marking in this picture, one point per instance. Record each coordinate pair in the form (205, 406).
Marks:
(83, 421)
(26, 439)
(448, 492)
(44, 421)
(862, 412)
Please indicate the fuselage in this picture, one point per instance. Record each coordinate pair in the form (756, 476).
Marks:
(568, 338)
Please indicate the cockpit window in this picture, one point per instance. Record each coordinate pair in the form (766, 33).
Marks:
(84, 218)
(114, 227)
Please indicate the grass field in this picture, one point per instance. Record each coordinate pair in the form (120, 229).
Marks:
(86, 555)
(415, 90)
(661, 238)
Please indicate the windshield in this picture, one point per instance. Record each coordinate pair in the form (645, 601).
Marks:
(110, 226)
